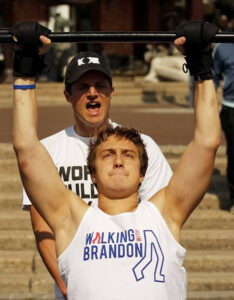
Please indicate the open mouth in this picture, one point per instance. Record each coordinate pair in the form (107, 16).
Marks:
(93, 105)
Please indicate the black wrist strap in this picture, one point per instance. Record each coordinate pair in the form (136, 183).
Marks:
(205, 76)
(28, 66)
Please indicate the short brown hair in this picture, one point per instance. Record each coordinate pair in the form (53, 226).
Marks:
(130, 134)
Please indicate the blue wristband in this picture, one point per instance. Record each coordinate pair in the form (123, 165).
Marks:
(24, 86)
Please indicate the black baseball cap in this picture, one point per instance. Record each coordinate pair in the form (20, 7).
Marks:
(84, 62)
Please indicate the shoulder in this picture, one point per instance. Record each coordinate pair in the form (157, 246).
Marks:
(59, 140)
(150, 144)
(57, 136)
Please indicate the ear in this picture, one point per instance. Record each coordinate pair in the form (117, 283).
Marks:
(112, 91)
(67, 96)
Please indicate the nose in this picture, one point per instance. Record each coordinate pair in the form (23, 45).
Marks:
(92, 93)
(118, 162)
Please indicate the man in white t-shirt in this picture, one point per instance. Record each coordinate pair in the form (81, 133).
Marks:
(120, 248)
(89, 90)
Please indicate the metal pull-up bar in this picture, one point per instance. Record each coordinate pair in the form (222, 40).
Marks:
(116, 37)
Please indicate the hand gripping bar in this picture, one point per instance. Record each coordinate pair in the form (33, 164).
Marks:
(116, 37)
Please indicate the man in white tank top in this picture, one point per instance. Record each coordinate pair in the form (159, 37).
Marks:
(68, 149)
(122, 250)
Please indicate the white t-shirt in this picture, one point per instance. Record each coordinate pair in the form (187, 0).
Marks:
(126, 256)
(69, 152)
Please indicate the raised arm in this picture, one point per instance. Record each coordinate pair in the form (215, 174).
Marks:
(54, 202)
(194, 170)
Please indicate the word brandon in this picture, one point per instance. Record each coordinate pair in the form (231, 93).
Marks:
(129, 243)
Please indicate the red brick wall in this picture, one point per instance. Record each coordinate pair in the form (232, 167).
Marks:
(154, 15)
(196, 10)
(116, 15)
(29, 10)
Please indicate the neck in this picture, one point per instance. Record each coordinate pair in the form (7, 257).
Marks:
(117, 206)
(89, 130)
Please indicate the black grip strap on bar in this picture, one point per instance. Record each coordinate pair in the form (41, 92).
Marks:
(116, 37)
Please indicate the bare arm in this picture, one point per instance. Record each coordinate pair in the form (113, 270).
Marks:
(38, 172)
(56, 204)
(45, 241)
(194, 170)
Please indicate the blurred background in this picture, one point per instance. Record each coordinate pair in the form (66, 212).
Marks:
(108, 15)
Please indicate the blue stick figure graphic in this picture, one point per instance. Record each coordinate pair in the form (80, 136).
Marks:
(152, 247)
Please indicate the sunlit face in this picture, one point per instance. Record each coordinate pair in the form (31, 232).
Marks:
(90, 97)
(117, 168)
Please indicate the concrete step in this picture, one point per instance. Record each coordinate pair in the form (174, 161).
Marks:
(54, 88)
(28, 262)
(10, 183)
(200, 219)
(6, 151)
(12, 178)
(15, 219)
(208, 239)
(218, 184)
(209, 261)
(209, 219)
(43, 101)
(27, 296)
(49, 94)
(193, 295)
(43, 283)
(219, 200)
(219, 168)
(25, 262)
(217, 281)
(173, 151)
(17, 240)
(8, 166)
(210, 295)
(17, 262)
(23, 283)
(170, 151)
(10, 200)
(126, 92)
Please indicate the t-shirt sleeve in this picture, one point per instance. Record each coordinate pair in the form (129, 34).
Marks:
(158, 173)
(26, 202)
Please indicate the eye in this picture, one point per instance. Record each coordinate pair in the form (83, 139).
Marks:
(107, 155)
(129, 155)
(82, 87)
(100, 85)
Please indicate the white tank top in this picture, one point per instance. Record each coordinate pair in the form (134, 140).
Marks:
(127, 256)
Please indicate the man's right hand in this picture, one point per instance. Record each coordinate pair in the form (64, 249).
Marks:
(30, 45)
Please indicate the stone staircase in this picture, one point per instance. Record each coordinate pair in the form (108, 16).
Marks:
(207, 235)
